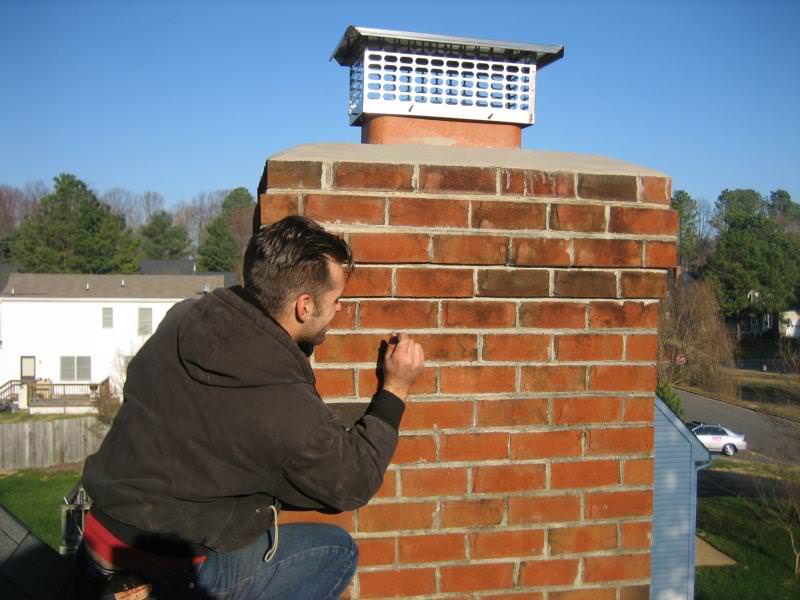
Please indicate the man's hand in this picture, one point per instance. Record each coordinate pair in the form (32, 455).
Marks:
(402, 364)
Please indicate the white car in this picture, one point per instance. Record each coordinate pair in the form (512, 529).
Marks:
(719, 439)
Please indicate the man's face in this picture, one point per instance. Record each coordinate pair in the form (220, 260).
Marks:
(326, 306)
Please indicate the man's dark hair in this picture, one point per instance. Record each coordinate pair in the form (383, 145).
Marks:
(289, 258)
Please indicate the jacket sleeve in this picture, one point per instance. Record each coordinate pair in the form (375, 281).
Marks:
(340, 469)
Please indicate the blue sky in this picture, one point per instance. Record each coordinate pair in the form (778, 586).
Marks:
(182, 97)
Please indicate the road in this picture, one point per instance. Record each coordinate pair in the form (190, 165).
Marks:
(775, 438)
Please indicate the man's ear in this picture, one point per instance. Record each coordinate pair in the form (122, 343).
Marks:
(304, 307)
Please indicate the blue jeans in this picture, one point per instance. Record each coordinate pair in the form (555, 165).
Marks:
(313, 562)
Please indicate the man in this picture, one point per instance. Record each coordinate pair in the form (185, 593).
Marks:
(222, 426)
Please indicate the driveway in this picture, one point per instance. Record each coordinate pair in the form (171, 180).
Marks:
(773, 437)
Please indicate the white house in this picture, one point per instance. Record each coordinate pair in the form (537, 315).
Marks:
(82, 329)
(789, 323)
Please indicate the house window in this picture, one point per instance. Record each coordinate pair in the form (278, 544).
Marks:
(76, 368)
(108, 317)
(145, 321)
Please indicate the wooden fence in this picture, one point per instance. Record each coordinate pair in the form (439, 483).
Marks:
(35, 444)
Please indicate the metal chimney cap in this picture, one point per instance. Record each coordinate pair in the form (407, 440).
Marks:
(350, 46)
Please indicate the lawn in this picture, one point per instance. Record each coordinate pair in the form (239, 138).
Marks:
(764, 569)
(34, 497)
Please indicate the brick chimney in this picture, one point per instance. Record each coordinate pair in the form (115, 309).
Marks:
(532, 279)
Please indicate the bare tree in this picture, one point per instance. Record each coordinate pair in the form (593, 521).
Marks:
(125, 203)
(151, 202)
(694, 346)
(197, 213)
(16, 204)
(779, 505)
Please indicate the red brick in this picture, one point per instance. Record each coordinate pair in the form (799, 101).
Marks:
(474, 446)
(344, 209)
(639, 409)
(346, 317)
(515, 283)
(472, 513)
(622, 378)
(481, 314)
(508, 215)
(569, 217)
(368, 382)
(607, 187)
(372, 176)
(637, 535)
(573, 411)
(443, 415)
(656, 189)
(388, 488)
(364, 281)
(516, 412)
(661, 254)
(629, 440)
(644, 285)
(349, 348)
(434, 482)
(469, 578)
(399, 582)
(389, 247)
(275, 207)
(603, 315)
(608, 505)
(425, 212)
(545, 444)
(343, 520)
(557, 315)
(641, 347)
(616, 568)
(517, 347)
(538, 183)
(434, 283)
(553, 379)
(334, 382)
(585, 284)
(508, 478)
(470, 249)
(447, 346)
(501, 544)
(541, 252)
(608, 253)
(477, 380)
(415, 449)
(396, 517)
(589, 347)
(549, 572)
(584, 474)
(544, 509)
(296, 175)
(397, 314)
(375, 551)
(636, 592)
(457, 179)
(585, 594)
(513, 596)
(589, 538)
(648, 221)
(432, 548)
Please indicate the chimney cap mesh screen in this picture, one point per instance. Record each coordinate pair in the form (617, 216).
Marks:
(402, 73)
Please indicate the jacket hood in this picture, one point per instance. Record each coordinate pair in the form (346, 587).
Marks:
(225, 340)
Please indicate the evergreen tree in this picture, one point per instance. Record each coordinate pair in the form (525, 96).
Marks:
(688, 241)
(162, 239)
(228, 233)
(71, 231)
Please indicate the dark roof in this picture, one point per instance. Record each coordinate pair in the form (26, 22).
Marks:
(185, 266)
(68, 285)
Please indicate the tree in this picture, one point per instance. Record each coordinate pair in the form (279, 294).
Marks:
(756, 265)
(688, 241)
(162, 239)
(228, 233)
(73, 232)
(779, 506)
(197, 213)
(137, 209)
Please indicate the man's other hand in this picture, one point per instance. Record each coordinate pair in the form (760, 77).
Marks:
(402, 364)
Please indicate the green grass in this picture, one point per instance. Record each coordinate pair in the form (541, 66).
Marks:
(24, 417)
(755, 469)
(35, 496)
(765, 563)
